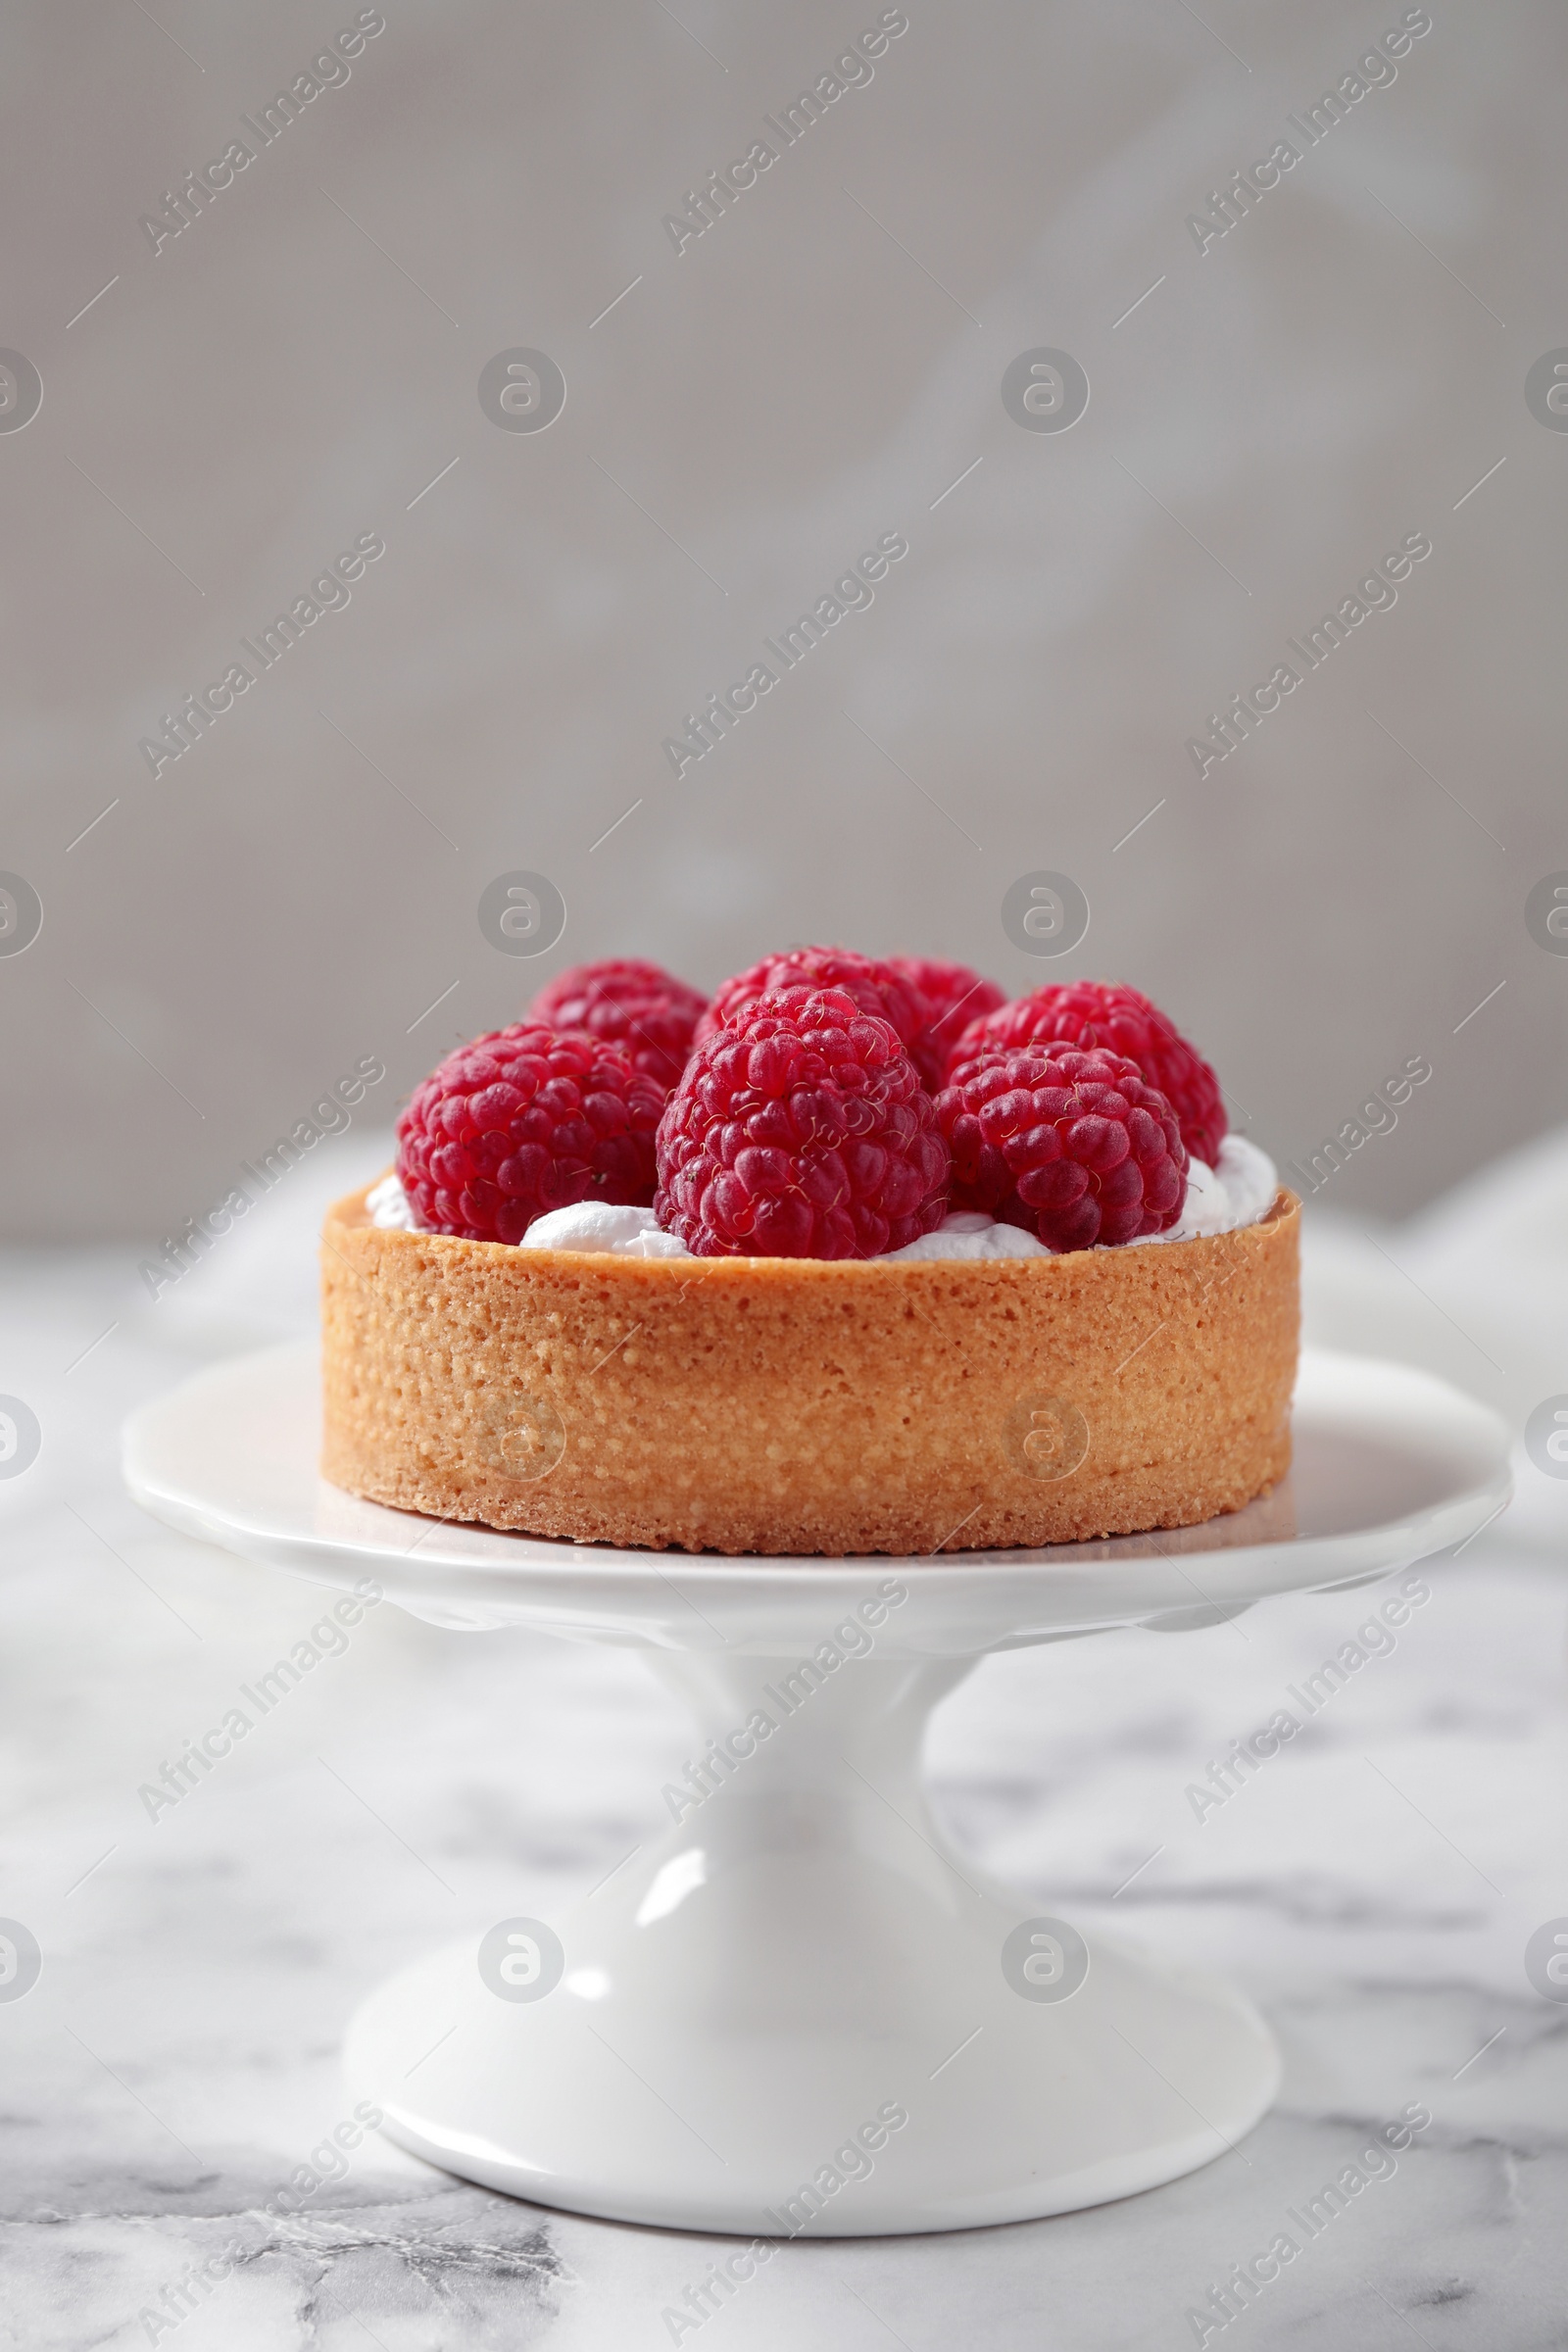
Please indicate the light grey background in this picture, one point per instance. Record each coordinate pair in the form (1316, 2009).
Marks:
(817, 369)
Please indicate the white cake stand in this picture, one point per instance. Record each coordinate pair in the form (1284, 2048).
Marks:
(725, 2035)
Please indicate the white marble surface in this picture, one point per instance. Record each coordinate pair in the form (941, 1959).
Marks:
(1374, 1890)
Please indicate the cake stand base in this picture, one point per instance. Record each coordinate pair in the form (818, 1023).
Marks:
(800, 2013)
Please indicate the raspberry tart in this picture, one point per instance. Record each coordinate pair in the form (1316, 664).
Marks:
(856, 1258)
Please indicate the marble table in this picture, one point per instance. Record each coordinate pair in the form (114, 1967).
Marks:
(165, 2083)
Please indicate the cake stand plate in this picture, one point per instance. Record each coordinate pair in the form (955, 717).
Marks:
(799, 2011)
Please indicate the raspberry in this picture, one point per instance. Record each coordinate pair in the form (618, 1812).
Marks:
(953, 997)
(800, 1130)
(1103, 1013)
(625, 1002)
(1074, 1147)
(876, 988)
(521, 1121)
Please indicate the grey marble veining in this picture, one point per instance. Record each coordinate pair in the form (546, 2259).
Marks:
(176, 2064)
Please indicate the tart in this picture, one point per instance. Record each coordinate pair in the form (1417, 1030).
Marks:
(742, 1403)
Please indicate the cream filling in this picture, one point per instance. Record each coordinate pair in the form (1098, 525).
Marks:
(390, 1206)
(1238, 1191)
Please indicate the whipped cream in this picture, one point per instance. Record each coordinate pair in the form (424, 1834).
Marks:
(970, 1233)
(598, 1226)
(389, 1205)
(1219, 1200)
(1230, 1196)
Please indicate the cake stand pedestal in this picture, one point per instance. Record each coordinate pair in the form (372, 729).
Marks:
(799, 2010)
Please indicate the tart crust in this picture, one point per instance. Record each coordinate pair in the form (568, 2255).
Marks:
(743, 1404)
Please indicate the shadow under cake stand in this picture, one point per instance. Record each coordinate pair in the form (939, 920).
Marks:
(805, 1958)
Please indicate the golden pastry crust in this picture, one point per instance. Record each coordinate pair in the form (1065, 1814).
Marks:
(792, 1405)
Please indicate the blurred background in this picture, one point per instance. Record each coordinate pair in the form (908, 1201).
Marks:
(216, 387)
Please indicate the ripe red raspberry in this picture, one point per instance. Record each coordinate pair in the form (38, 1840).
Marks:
(953, 997)
(800, 1130)
(876, 988)
(636, 1006)
(1076, 1148)
(1108, 1013)
(521, 1121)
